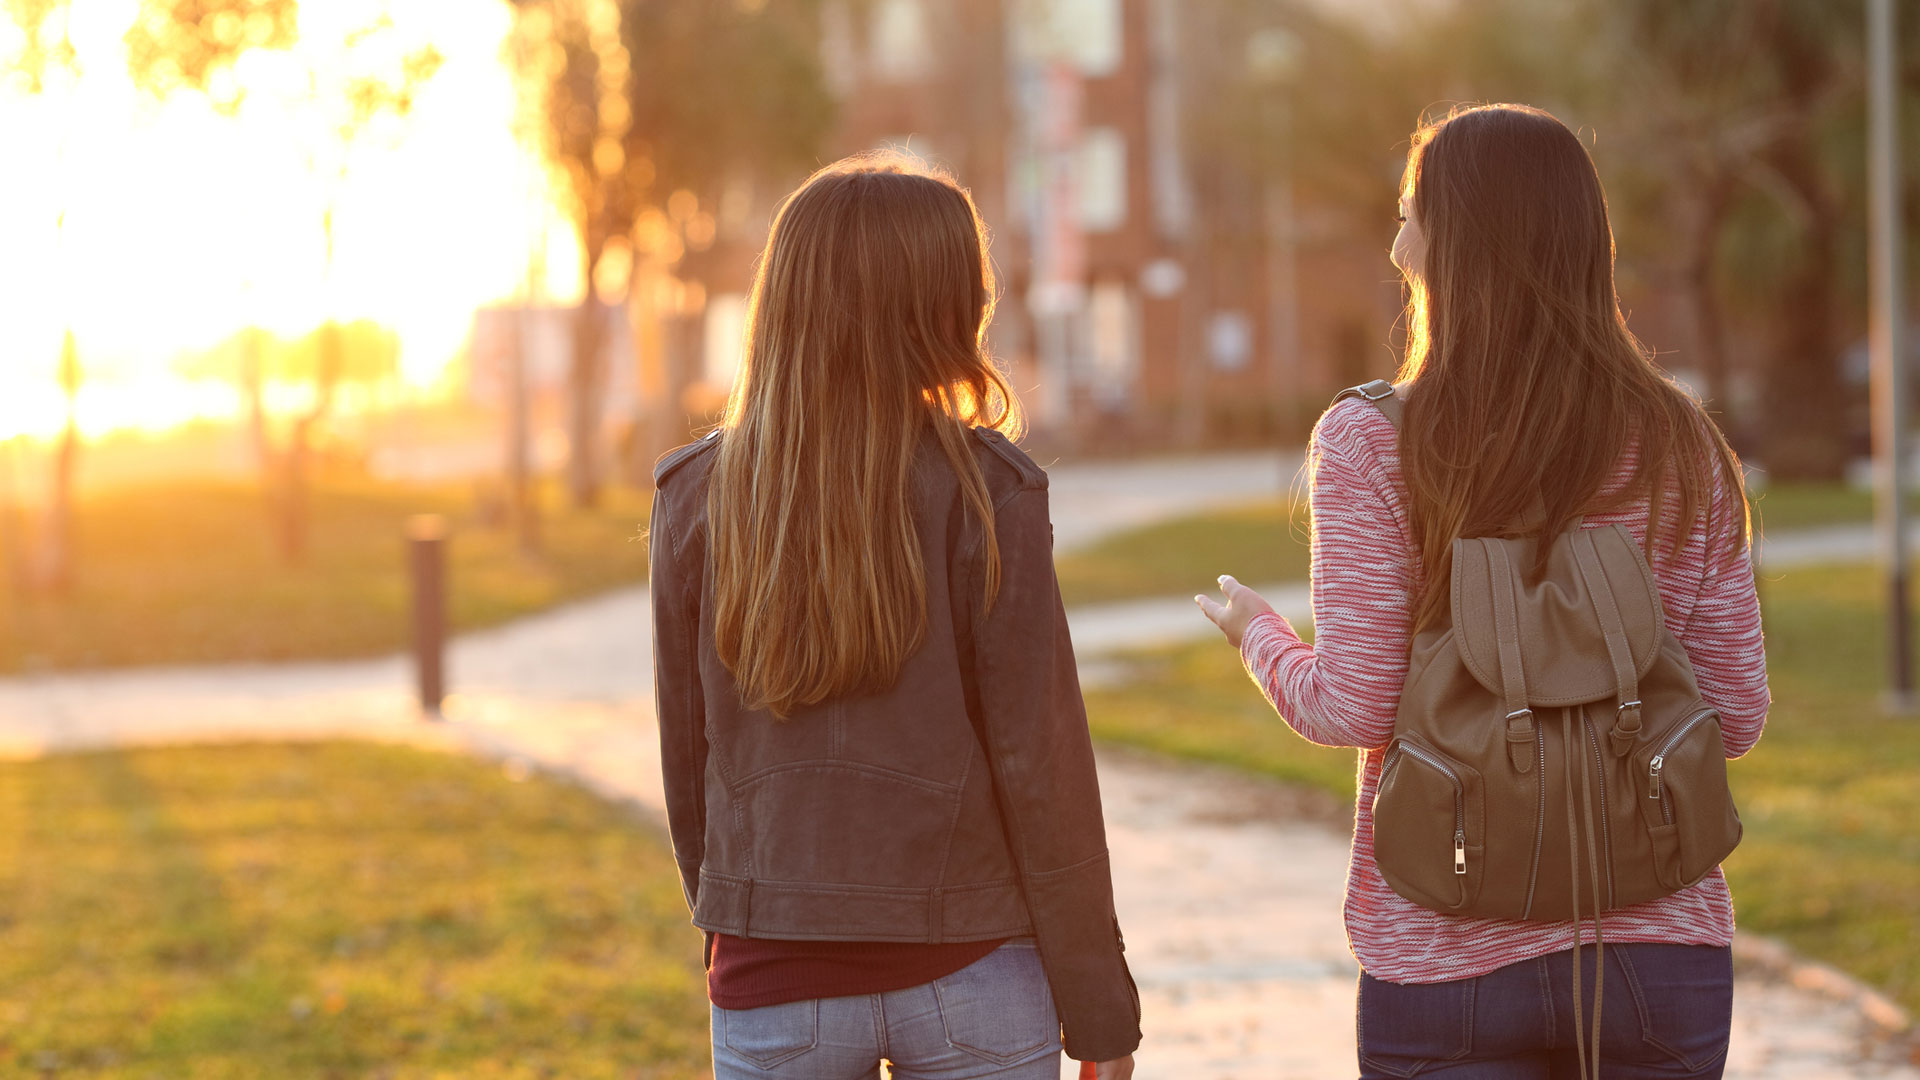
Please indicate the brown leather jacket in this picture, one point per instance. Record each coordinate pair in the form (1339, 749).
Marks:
(960, 805)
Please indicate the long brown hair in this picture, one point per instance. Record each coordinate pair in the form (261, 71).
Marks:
(866, 330)
(1527, 388)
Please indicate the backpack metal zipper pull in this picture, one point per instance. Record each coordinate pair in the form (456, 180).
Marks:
(1653, 775)
(1459, 851)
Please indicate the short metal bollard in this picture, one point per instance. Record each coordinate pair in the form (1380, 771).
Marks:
(427, 563)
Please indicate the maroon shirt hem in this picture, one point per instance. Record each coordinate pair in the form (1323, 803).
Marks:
(752, 973)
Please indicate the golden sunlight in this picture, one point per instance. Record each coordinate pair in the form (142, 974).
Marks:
(156, 229)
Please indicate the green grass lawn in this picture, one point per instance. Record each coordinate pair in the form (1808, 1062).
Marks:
(1802, 506)
(1831, 858)
(189, 573)
(334, 910)
(1258, 543)
(1267, 541)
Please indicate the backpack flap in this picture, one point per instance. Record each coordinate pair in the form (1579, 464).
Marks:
(1555, 622)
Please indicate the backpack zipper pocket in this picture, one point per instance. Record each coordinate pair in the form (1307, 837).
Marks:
(1656, 785)
(1459, 797)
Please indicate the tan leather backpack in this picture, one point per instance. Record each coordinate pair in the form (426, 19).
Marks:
(1527, 691)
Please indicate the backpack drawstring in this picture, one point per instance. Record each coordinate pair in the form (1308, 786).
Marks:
(1583, 810)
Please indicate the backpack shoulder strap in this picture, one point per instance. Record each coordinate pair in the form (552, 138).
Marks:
(1381, 393)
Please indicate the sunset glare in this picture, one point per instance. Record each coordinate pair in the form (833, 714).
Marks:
(183, 225)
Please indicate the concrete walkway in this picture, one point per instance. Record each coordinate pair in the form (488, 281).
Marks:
(1229, 887)
(1097, 499)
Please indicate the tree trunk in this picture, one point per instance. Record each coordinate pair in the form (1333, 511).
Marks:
(584, 383)
(56, 553)
(13, 555)
(1710, 213)
(1808, 427)
(522, 506)
(13, 560)
(586, 388)
(252, 387)
(296, 474)
(1806, 401)
(290, 496)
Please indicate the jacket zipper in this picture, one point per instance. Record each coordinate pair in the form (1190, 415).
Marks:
(1459, 799)
(1606, 831)
(1133, 988)
(1540, 823)
(1656, 788)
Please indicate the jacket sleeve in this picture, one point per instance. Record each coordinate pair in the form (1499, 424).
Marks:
(1034, 726)
(678, 704)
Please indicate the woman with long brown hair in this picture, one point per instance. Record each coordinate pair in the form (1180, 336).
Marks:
(1526, 410)
(879, 779)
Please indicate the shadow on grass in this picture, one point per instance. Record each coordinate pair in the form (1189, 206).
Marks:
(335, 910)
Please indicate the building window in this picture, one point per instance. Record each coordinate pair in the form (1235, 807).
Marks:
(1092, 33)
(1230, 340)
(725, 335)
(838, 59)
(897, 41)
(1113, 340)
(1103, 179)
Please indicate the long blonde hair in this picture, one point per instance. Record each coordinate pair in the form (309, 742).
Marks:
(866, 331)
(1527, 387)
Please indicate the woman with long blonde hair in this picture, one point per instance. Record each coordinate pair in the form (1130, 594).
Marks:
(1527, 410)
(879, 779)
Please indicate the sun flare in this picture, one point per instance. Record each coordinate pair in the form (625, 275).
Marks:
(156, 229)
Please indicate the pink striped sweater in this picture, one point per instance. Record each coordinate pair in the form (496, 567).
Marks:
(1343, 690)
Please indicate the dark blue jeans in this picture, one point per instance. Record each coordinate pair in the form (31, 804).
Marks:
(1668, 1012)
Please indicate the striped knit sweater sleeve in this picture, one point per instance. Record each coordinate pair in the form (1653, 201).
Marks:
(1722, 631)
(1344, 689)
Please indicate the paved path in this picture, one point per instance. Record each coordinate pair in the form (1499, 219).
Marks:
(1095, 499)
(1229, 887)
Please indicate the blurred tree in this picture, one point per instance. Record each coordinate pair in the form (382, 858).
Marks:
(574, 69)
(646, 107)
(45, 45)
(1728, 132)
(1740, 108)
(176, 45)
(366, 80)
(1316, 107)
(351, 85)
(329, 357)
(46, 52)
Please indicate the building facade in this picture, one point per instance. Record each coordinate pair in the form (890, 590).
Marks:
(1153, 293)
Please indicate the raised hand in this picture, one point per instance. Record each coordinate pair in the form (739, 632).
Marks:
(1233, 616)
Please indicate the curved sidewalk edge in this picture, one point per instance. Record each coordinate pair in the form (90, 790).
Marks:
(1777, 960)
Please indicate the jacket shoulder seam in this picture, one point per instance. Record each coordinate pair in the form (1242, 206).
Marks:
(672, 460)
(1031, 476)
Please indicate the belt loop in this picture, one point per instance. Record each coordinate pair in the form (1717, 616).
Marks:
(936, 916)
(746, 910)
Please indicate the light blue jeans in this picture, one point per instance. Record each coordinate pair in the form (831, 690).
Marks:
(992, 1018)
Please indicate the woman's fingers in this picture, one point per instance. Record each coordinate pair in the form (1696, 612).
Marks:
(1242, 599)
(1233, 616)
(1211, 608)
(1231, 619)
